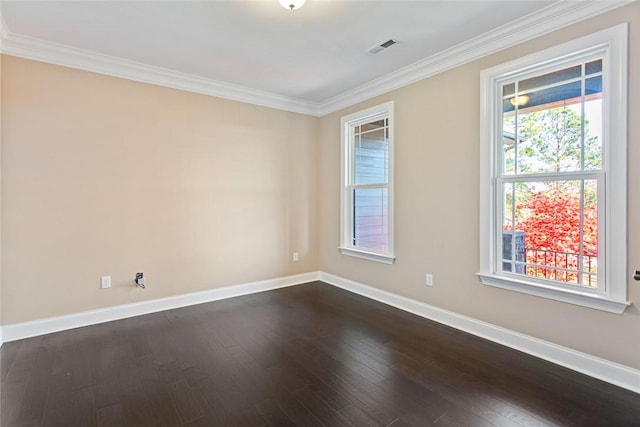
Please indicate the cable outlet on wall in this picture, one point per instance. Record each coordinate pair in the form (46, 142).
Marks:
(296, 257)
(140, 281)
(428, 279)
(105, 282)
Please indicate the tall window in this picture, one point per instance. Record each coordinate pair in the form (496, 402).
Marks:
(556, 176)
(367, 190)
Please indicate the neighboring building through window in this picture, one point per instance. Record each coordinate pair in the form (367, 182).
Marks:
(554, 173)
(367, 184)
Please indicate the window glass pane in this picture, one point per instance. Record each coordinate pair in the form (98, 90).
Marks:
(512, 240)
(370, 218)
(551, 134)
(590, 235)
(593, 67)
(550, 140)
(551, 231)
(593, 124)
(508, 143)
(508, 90)
(371, 154)
(374, 125)
(551, 78)
(511, 142)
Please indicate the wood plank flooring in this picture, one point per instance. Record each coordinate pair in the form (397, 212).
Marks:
(308, 355)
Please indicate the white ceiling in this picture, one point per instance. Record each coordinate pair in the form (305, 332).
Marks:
(311, 55)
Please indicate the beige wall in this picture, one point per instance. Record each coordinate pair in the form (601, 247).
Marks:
(436, 207)
(104, 176)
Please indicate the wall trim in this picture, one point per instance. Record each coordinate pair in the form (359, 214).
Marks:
(49, 325)
(67, 56)
(602, 369)
(544, 21)
(551, 18)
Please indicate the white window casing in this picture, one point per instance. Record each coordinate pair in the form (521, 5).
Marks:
(375, 177)
(611, 294)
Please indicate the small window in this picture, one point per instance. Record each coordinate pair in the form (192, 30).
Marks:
(554, 150)
(367, 190)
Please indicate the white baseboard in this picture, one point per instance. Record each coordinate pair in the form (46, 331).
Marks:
(34, 328)
(596, 367)
(611, 372)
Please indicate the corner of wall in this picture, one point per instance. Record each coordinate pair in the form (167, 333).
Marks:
(18, 331)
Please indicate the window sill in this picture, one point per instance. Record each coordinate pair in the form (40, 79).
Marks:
(598, 302)
(371, 256)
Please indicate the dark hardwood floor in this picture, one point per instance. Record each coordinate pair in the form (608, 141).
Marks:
(308, 355)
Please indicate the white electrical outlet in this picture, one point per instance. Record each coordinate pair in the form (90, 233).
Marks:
(105, 282)
(296, 257)
(428, 279)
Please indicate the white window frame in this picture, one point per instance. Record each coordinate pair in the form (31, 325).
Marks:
(613, 43)
(347, 123)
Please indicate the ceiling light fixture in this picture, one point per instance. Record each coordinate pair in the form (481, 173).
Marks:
(519, 100)
(291, 4)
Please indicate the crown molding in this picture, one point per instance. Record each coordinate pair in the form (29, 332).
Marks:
(551, 18)
(45, 51)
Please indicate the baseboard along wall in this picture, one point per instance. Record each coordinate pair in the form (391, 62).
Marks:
(605, 370)
(34, 328)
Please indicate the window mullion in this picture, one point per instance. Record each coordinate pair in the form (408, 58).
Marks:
(556, 176)
(516, 170)
(513, 227)
(582, 154)
(371, 185)
(581, 244)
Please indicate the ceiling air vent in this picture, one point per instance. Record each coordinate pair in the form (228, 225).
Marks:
(381, 46)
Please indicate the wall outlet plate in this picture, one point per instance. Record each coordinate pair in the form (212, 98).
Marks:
(105, 282)
(428, 280)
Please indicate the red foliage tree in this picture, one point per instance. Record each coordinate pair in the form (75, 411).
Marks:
(551, 223)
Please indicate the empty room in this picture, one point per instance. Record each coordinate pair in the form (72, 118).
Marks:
(320, 213)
